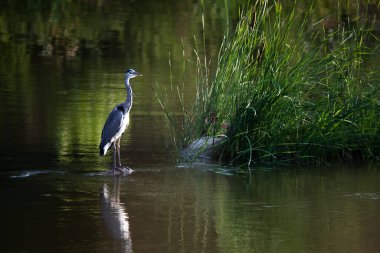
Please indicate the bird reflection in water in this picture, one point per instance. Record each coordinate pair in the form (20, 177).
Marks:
(115, 215)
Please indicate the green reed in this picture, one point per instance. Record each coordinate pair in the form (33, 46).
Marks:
(284, 97)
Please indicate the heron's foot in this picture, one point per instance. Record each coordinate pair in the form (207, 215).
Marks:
(123, 170)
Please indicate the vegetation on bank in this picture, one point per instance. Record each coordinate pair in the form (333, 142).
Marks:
(286, 89)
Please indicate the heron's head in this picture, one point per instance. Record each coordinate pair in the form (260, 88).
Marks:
(131, 73)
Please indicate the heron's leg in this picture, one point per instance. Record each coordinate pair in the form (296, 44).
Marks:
(118, 150)
(114, 156)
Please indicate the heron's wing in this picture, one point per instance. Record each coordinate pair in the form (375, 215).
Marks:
(113, 124)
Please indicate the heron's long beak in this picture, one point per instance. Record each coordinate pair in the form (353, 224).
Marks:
(137, 73)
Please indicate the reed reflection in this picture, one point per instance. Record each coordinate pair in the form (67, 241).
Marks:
(114, 214)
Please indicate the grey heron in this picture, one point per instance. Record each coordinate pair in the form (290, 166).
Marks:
(117, 122)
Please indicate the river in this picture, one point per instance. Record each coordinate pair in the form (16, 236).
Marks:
(61, 73)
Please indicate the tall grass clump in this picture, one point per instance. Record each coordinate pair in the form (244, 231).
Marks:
(286, 90)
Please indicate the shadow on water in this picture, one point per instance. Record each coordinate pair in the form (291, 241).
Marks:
(114, 214)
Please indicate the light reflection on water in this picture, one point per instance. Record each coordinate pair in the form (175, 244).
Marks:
(115, 215)
(168, 209)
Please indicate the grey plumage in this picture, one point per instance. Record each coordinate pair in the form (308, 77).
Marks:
(111, 127)
(117, 121)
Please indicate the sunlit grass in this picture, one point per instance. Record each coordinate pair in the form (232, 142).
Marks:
(285, 90)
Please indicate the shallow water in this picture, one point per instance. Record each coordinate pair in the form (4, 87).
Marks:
(171, 209)
(61, 72)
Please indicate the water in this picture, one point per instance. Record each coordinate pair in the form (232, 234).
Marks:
(168, 209)
(61, 72)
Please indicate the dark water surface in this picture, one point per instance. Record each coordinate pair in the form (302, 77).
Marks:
(171, 209)
(61, 72)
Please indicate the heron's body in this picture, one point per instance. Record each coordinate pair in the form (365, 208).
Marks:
(117, 121)
(114, 127)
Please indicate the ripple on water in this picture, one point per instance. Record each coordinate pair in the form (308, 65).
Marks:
(29, 173)
(364, 195)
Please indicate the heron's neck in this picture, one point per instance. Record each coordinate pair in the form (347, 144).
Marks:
(128, 101)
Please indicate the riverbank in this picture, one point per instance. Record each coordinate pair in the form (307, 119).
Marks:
(287, 89)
